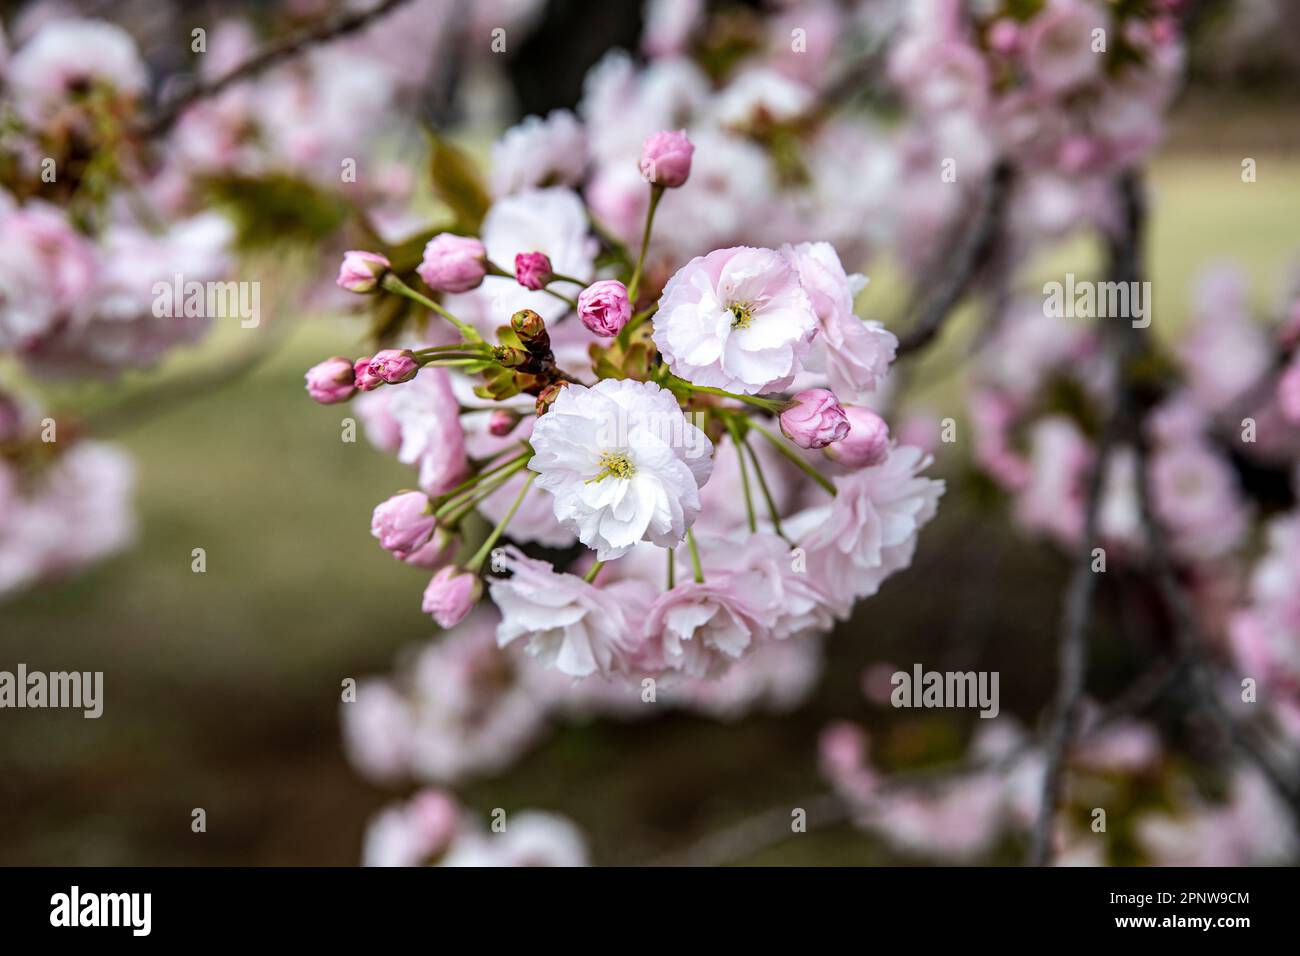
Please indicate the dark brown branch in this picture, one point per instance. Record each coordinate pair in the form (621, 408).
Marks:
(1072, 656)
(1124, 265)
(1189, 637)
(1191, 643)
(970, 254)
(275, 54)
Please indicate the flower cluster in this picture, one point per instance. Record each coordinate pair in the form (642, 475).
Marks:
(463, 707)
(1075, 86)
(618, 420)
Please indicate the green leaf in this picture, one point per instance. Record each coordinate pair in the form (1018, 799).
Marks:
(457, 182)
(277, 208)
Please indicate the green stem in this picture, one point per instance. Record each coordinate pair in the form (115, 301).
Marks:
(744, 473)
(656, 193)
(471, 482)
(453, 347)
(767, 492)
(625, 334)
(395, 285)
(672, 576)
(455, 362)
(476, 562)
(557, 277)
(695, 557)
(477, 493)
(563, 298)
(767, 404)
(794, 458)
(595, 570)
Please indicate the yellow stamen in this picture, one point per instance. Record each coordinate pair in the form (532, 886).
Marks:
(613, 463)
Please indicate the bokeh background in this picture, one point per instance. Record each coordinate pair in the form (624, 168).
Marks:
(222, 689)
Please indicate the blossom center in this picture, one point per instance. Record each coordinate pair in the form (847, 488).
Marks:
(741, 315)
(614, 463)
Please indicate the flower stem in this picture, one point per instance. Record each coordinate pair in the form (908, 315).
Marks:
(595, 570)
(563, 298)
(744, 473)
(476, 562)
(483, 489)
(794, 458)
(434, 350)
(695, 557)
(557, 277)
(762, 484)
(395, 285)
(656, 193)
(468, 484)
(454, 361)
(625, 334)
(767, 404)
(672, 571)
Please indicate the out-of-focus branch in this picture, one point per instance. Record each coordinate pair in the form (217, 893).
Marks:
(1072, 654)
(1191, 643)
(772, 826)
(970, 253)
(1124, 265)
(169, 395)
(749, 836)
(325, 32)
(1189, 638)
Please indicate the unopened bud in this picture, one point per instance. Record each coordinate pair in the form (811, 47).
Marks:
(528, 325)
(547, 396)
(509, 357)
(502, 422)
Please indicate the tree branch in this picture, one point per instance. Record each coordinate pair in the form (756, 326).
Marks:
(1072, 656)
(970, 254)
(1124, 265)
(772, 826)
(331, 29)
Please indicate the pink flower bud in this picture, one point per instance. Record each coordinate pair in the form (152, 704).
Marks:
(361, 271)
(365, 377)
(532, 270)
(403, 523)
(867, 442)
(502, 422)
(435, 553)
(604, 307)
(453, 263)
(666, 158)
(451, 595)
(394, 366)
(815, 419)
(1004, 36)
(331, 381)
